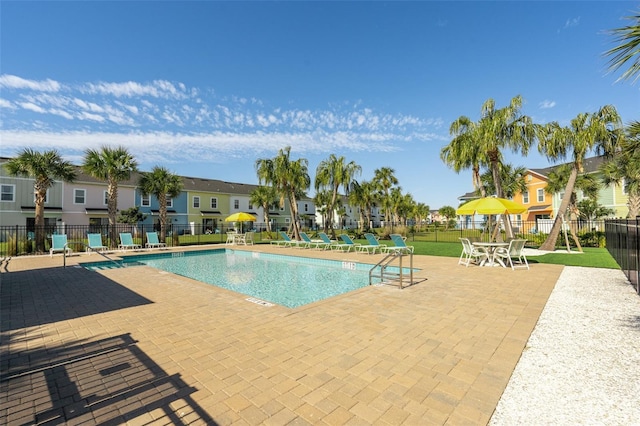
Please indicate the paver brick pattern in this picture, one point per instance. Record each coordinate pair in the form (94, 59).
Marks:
(141, 346)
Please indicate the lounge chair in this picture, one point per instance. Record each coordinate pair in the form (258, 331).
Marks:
(512, 254)
(325, 238)
(284, 242)
(59, 245)
(372, 246)
(400, 246)
(313, 243)
(153, 241)
(126, 242)
(347, 245)
(470, 253)
(94, 243)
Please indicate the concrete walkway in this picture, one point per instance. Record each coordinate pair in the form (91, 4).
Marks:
(141, 346)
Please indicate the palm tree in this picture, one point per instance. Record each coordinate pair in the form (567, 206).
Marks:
(162, 184)
(463, 152)
(333, 173)
(628, 49)
(385, 179)
(363, 196)
(512, 179)
(624, 168)
(420, 213)
(290, 179)
(264, 196)
(44, 168)
(321, 200)
(112, 165)
(598, 131)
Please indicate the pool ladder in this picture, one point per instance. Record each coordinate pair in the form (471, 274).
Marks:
(380, 271)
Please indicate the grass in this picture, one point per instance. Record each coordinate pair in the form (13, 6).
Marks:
(592, 257)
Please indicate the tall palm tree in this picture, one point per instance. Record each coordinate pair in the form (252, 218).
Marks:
(463, 152)
(162, 184)
(265, 197)
(624, 168)
(321, 200)
(628, 50)
(44, 168)
(112, 165)
(289, 178)
(333, 173)
(363, 196)
(598, 131)
(512, 178)
(385, 179)
(420, 213)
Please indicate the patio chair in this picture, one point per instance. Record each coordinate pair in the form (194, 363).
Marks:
(470, 253)
(153, 241)
(313, 243)
(512, 254)
(284, 242)
(126, 242)
(59, 244)
(347, 245)
(400, 246)
(94, 243)
(325, 239)
(372, 246)
(248, 238)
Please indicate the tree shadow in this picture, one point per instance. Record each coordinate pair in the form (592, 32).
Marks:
(109, 381)
(42, 296)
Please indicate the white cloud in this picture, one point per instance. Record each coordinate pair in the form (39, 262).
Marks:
(6, 104)
(32, 107)
(157, 89)
(572, 22)
(546, 104)
(13, 82)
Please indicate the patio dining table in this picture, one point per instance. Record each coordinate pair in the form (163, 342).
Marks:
(235, 238)
(491, 249)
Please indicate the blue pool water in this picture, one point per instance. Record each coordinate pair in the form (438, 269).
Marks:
(285, 280)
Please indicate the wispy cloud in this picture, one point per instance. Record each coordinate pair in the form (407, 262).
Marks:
(14, 82)
(546, 104)
(572, 22)
(162, 119)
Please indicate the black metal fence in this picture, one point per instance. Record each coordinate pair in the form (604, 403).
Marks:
(20, 240)
(623, 242)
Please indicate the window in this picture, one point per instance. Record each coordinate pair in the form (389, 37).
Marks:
(236, 204)
(79, 196)
(169, 201)
(145, 201)
(540, 195)
(214, 203)
(306, 207)
(7, 193)
(250, 206)
(105, 198)
(525, 197)
(196, 202)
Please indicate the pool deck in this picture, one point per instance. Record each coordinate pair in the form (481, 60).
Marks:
(141, 346)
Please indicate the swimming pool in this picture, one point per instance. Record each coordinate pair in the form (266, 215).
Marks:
(290, 281)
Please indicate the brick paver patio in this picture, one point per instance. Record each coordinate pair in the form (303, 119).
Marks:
(141, 346)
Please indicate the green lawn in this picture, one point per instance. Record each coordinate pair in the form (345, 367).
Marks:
(592, 257)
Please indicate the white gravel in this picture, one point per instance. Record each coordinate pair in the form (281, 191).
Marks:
(582, 362)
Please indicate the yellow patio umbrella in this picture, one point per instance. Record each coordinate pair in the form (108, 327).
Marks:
(241, 217)
(490, 205)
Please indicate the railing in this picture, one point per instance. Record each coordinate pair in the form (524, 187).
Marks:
(623, 242)
(387, 276)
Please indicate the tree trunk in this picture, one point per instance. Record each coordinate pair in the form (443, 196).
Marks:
(550, 243)
(112, 208)
(294, 216)
(163, 218)
(39, 219)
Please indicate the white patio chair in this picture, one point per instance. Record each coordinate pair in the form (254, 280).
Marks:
(512, 254)
(470, 253)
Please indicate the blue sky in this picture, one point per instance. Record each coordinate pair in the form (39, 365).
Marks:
(207, 88)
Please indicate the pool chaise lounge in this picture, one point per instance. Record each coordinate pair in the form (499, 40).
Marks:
(319, 244)
(372, 246)
(347, 245)
(126, 242)
(94, 243)
(153, 241)
(400, 246)
(59, 245)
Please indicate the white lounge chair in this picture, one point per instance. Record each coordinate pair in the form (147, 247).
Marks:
(59, 245)
(470, 253)
(126, 242)
(373, 244)
(400, 246)
(512, 254)
(94, 243)
(153, 241)
(347, 245)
